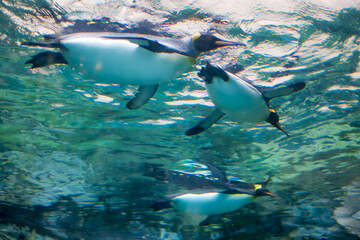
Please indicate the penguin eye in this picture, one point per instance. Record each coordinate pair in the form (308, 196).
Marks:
(205, 42)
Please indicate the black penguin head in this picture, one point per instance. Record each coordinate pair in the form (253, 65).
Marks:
(273, 119)
(204, 42)
(263, 192)
(207, 73)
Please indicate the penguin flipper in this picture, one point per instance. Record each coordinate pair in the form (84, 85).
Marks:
(153, 45)
(142, 96)
(46, 58)
(211, 219)
(215, 115)
(283, 91)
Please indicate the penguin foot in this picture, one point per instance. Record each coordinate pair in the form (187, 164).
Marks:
(46, 58)
(160, 205)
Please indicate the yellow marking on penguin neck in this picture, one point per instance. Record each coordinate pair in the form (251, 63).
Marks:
(257, 186)
(272, 110)
(196, 36)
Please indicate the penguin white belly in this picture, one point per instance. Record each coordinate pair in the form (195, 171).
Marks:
(238, 99)
(210, 203)
(123, 62)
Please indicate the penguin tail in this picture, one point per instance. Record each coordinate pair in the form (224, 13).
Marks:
(46, 58)
(160, 205)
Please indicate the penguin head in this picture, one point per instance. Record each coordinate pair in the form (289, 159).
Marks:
(204, 42)
(207, 73)
(263, 192)
(273, 119)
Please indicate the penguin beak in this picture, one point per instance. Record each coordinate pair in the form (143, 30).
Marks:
(278, 126)
(224, 43)
(273, 119)
(271, 194)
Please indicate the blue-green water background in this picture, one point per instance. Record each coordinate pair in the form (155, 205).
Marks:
(72, 154)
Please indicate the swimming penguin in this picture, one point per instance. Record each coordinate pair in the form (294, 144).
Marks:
(209, 205)
(238, 98)
(209, 196)
(127, 58)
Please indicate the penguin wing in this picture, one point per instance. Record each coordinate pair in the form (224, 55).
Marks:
(152, 43)
(270, 93)
(215, 115)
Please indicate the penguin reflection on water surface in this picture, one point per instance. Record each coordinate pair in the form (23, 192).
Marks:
(237, 97)
(210, 196)
(127, 58)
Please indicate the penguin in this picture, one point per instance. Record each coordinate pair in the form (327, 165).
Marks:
(127, 58)
(209, 197)
(240, 99)
(209, 205)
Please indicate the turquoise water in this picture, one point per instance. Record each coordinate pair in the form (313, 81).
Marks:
(72, 155)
